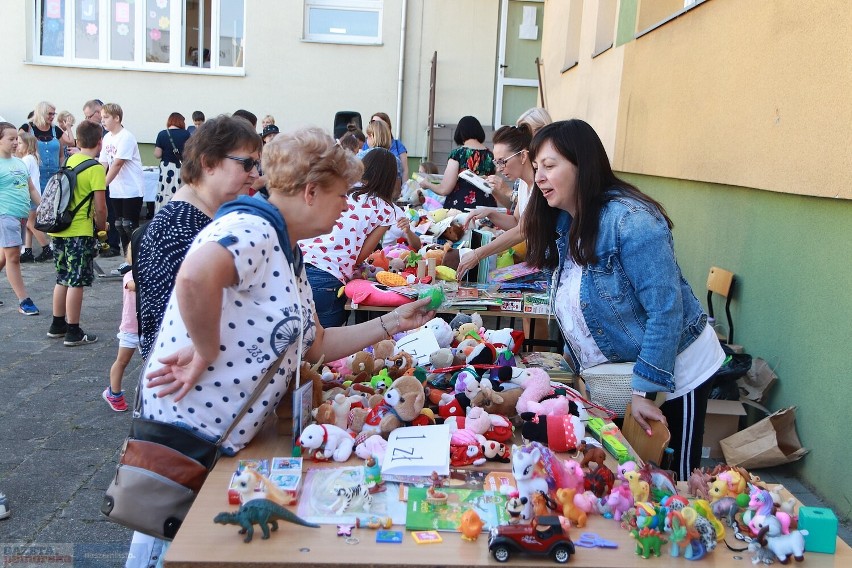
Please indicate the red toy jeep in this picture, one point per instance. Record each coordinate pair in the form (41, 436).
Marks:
(544, 536)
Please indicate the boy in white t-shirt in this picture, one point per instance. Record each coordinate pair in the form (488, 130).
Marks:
(120, 155)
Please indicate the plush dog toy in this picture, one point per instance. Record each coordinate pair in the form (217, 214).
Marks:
(332, 441)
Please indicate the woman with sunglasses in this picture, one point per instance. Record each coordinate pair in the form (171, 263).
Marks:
(219, 164)
(511, 145)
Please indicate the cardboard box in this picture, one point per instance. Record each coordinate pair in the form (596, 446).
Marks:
(723, 419)
(536, 303)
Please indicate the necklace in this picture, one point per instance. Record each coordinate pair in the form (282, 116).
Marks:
(201, 203)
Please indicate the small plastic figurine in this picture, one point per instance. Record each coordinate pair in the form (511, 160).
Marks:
(471, 525)
(373, 522)
(349, 497)
(261, 512)
(782, 545)
(433, 493)
(373, 475)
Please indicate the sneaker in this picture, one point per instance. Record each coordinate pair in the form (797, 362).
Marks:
(109, 253)
(46, 254)
(115, 401)
(79, 337)
(122, 269)
(57, 330)
(28, 308)
(4, 507)
(27, 256)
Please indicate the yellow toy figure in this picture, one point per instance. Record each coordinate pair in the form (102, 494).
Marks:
(640, 489)
(565, 497)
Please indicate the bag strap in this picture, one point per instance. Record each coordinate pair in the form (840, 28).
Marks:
(175, 151)
(78, 169)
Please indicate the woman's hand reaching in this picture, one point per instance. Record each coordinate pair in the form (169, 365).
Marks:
(643, 410)
(179, 373)
(413, 314)
(467, 262)
(477, 214)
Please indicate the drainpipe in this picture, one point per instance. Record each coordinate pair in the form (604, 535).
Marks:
(401, 67)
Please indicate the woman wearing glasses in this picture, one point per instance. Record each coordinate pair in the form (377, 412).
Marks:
(470, 155)
(219, 164)
(511, 145)
(50, 149)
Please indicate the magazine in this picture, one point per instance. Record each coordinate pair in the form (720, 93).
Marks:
(424, 513)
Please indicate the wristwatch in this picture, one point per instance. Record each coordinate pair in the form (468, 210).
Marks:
(658, 398)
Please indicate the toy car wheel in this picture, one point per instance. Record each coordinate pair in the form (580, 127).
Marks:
(501, 553)
(561, 554)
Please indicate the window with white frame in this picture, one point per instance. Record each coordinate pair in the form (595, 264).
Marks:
(163, 35)
(344, 21)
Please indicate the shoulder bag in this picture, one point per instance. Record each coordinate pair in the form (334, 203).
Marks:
(161, 469)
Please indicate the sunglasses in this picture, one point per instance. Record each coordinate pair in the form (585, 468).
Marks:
(248, 163)
(501, 163)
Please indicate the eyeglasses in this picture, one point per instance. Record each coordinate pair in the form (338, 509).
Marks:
(51, 114)
(501, 163)
(248, 163)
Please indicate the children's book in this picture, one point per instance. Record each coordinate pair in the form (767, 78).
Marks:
(511, 272)
(417, 451)
(427, 514)
(328, 497)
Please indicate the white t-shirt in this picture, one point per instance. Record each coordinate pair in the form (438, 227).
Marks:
(32, 168)
(693, 366)
(129, 181)
(337, 251)
(260, 317)
(393, 233)
(523, 196)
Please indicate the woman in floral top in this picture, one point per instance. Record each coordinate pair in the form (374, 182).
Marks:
(470, 155)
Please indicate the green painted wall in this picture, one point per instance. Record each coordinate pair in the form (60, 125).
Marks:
(627, 12)
(792, 306)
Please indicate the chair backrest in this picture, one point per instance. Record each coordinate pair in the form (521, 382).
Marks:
(648, 448)
(721, 282)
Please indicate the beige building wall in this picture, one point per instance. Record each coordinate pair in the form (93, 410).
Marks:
(752, 94)
(298, 82)
(590, 90)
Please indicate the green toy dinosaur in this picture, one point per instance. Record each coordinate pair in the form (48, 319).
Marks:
(261, 512)
(648, 542)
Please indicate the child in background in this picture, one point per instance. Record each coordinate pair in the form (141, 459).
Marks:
(66, 122)
(28, 153)
(431, 200)
(16, 191)
(128, 342)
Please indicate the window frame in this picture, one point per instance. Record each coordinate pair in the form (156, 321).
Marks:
(375, 6)
(139, 62)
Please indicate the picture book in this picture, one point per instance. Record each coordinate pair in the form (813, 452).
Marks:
(336, 495)
(424, 513)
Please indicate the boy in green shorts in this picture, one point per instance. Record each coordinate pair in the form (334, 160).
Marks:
(74, 248)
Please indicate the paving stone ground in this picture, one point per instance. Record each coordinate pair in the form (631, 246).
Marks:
(59, 440)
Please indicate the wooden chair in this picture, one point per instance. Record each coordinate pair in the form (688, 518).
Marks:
(721, 282)
(648, 448)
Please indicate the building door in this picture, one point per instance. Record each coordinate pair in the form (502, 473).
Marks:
(518, 49)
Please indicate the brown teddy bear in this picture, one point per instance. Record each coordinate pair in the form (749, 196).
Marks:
(382, 350)
(407, 397)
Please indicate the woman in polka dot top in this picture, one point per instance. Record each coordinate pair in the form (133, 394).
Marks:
(242, 298)
(331, 258)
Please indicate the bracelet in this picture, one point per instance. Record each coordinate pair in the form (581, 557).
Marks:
(382, 322)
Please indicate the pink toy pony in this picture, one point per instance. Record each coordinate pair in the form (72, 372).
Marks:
(761, 506)
(620, 500)
(574, 476)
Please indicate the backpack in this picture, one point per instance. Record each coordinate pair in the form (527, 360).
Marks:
(54, 214)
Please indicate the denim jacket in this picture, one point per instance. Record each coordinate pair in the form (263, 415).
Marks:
(637, 305)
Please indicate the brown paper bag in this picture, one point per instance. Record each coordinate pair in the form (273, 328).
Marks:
(772, 441)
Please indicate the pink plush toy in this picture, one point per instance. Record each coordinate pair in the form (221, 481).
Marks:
(551, 407)
(363, 292)
(477, 421)
(536, 385)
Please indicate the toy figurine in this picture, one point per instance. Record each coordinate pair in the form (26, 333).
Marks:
(566, 497)
(620, 500)
(782, 545)
(760, 506)
(374, 522)
(262, 512)
(349, 497)
(471, 525)
(591, 454)
(760, 554)
(648, 542)
(515, 506)
(697, 483)
(683, 539)
(373, 475)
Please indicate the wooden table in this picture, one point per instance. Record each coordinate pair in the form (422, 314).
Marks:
(200, 542)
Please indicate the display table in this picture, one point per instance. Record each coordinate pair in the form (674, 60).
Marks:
(364, 313)
(200, 542)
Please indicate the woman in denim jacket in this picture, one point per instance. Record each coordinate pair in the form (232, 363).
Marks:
(618, 292)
